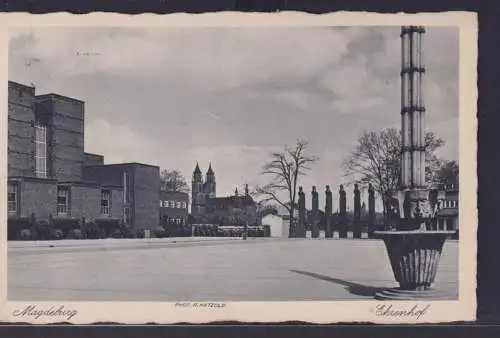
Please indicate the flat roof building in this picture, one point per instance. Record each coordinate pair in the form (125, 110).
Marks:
(50, 175)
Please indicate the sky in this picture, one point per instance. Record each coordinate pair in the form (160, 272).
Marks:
(230, 96)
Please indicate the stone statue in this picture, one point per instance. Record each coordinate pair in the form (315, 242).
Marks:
(314, 213)
(328, 212)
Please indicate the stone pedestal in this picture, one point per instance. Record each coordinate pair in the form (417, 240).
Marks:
(414, 257)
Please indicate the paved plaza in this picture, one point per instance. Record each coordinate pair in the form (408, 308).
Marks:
(208, 269)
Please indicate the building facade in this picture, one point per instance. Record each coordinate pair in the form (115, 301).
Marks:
(50, 176)
(448, 216)
(207, 208)
(174, 209)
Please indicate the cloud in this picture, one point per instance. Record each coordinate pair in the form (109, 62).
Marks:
(185, 53)
(215, 117)
(118, 143)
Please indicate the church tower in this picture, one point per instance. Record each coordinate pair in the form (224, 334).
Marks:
(210, 183)
(197, 199)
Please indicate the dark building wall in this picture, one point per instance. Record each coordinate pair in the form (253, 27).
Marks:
(21, 132)
(146, 196)
(143, 187)
(65, 119)
(86, 202)
(37, 196)
(92, 159)
(104, 174)
(116, 203)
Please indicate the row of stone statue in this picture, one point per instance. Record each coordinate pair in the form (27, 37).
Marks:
(341, 227)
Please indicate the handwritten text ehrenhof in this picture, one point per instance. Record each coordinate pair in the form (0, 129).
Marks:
(389, 310)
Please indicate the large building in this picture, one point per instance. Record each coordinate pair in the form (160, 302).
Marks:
(174, 211)
(448, 216)
(206, 208)
(51, 177)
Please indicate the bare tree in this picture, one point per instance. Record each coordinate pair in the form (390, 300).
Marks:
(285, 168)
(173, 181)
(377, 160)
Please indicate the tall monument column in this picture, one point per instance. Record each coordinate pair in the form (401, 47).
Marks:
(413, 248)
(300, 230)
(328, 213)
(371, 207)
(357, 212)
(343, 212)
(314, 213)
(412, 109)
(413, 188)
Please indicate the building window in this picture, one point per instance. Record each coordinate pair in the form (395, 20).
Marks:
(178, 205)
(161, 204)
(62, 201)
(105, 202)
(40, 150)
(12, 198)
(172, 204)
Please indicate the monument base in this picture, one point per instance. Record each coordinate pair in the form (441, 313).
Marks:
(401, 294)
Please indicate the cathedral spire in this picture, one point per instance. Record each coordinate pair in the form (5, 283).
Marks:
(197, 169)
(210, 170)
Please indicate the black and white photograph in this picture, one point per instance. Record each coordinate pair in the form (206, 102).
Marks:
(208, 165)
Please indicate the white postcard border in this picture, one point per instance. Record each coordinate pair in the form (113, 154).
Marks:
(463, 309)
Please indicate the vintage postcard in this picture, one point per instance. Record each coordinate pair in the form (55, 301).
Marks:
(238, 167)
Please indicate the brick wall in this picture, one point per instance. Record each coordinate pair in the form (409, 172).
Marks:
(146, 191)
(65, 117)
(116, 203)
(92, 159)
(143, 189)
(21, 116)
(39, 197)
(104, 174)
(85, 202)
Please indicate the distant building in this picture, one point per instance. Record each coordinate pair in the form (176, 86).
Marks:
(448, 217)
(51, 177)
(173, 209)
(276, 224)
(206, 208)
